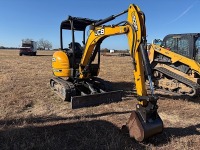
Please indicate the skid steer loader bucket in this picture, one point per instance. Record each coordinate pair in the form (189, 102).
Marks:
(96, 99)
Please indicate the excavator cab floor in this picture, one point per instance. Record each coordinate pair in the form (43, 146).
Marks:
(96, 99)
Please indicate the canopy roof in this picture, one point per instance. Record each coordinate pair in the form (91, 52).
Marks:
(78, 23)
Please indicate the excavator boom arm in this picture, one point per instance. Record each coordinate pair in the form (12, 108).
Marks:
(81, 87)
(135, 30)
(144, 122)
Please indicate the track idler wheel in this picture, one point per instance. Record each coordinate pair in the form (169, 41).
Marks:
(141, 130)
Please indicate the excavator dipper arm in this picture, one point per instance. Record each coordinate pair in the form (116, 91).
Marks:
(144, 122)
(75, 76)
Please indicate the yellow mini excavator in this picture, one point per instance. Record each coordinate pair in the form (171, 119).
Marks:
(175, 62)
(75, 73)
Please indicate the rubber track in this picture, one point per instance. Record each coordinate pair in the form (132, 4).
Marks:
(69, 87)
(193, 85)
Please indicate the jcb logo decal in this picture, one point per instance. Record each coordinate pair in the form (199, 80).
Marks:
(135, 23)
(99, 32)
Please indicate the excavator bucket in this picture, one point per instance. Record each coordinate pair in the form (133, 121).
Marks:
(96, 99)
(141, 130)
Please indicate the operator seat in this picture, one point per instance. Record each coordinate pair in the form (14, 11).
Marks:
(78, 51)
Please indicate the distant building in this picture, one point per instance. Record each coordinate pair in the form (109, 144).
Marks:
(112, 51)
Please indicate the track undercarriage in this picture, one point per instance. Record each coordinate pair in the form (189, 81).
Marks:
(173, 82)
(84, 93)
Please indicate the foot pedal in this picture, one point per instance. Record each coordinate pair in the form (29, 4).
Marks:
(96, 99)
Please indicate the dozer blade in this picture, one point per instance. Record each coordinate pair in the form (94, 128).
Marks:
(96, 99)
(141, 130)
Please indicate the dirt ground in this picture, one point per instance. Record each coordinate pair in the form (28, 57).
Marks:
(32, 116)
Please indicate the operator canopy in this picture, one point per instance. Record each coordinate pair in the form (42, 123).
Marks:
(78, 23)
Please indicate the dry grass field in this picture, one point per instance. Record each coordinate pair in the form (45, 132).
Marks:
(33, 117)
